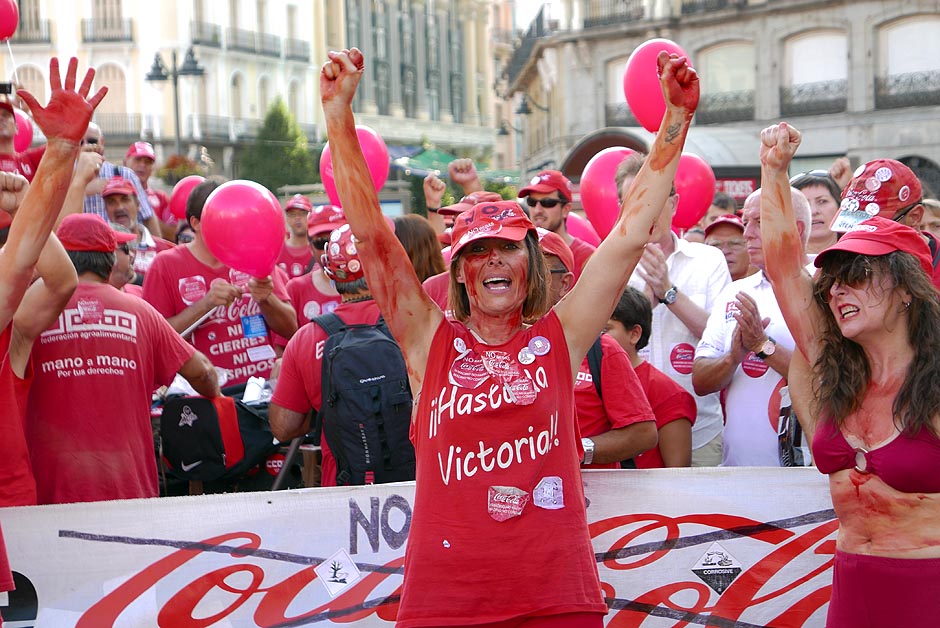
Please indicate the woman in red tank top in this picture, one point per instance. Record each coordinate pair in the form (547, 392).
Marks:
(499, 533)
(869, 326)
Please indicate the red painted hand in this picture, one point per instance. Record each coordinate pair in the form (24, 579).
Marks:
(679, 81)
(779, 142)
(68, 112)
(339, 78)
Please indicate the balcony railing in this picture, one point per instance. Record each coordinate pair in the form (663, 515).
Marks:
(704, 6)
(210, 127)
(540, 27)
(297, 49)
(239, 39)
(206, 34)
(810, 99)
(619, 114)
(599, 13)
(37, 33)
(99, 30)
(245, 128)
(269, 45)
(119, 125)
(913, 89)
(723, 107)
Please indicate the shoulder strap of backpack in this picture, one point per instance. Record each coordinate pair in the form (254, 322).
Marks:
(330, 322)
(594, 356)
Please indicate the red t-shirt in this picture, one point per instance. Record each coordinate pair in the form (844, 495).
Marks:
(438, 288)
(670, 402)
(17, 486)
(88, 417)
(6, 576)
(499, 528)
(24, 163)
(307, 299)
(624, 402)
(299, 385)
(582, 251)
(294, 259)
(235, 337)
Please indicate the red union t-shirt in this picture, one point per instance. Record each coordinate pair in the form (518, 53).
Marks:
(670, 402)
(235, 337)
(17, 486)
(299, 386)
(624, 402)
(24, 163)
(499, 528)
(88, 416)
(294, 259)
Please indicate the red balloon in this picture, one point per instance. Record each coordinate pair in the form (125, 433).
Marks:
(180, 194)
(9, 18)
(695, 184)
(243, 227)
(373, 149)
(641, 82)
(599, 190)
(582, 229)
(24, 131)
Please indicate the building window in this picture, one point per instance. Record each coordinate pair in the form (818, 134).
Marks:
(909, 75)
(236, 96)
(810, 87)
(32, 80)
(434, 64)
(728, 84)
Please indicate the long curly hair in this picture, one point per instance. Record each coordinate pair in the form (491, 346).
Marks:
(842, 370)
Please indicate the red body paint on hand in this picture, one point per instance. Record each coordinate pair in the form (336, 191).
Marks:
(68, 112)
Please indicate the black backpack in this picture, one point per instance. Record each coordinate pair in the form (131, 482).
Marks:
(216, 439)
(366, 410)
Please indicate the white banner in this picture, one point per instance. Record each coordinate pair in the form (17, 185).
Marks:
(675, 547)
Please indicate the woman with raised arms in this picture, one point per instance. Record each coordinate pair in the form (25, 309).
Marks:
(499, 532)
(869, 324)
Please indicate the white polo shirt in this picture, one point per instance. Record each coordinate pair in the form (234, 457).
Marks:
(700, 272)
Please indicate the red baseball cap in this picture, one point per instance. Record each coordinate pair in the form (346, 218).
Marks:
(299, 201)
(883, 188)
(89, 232)
(141, 149)
(503, 219)
(552, 244)
(880, 236)
(469, 201)
(725, 219)
(341, 260)
(6, 104)
(324, 218)
(547, 182)
(118, 185)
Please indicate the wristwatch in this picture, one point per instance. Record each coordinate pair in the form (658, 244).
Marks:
(670, 297)
(767, 348)
(433, 210)
(588, 446)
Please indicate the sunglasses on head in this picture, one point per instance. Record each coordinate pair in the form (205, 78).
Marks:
(547, 203)
(820, 174)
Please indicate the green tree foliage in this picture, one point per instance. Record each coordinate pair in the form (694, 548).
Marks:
(280, 155)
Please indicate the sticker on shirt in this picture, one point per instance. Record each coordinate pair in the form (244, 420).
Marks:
(500, 365)
(505, 502)
(549, 493)
(521, 391)
(261, 352)
(90, 310)
(681, 358)
(338, 573)
(753, 366)
(311, 310)
(238, 279)
(467, 371)
(192, 289)
(540, 346)
(253, 326)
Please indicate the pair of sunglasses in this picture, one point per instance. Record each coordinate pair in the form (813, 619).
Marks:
(547, 203)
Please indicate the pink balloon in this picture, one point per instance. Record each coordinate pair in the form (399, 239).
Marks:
(24, 131)
(582, 229)
(695, 184)
(599, 190)
(180, 194)
(9, 18)
(641, 82)
(375, 152)
(243, 226)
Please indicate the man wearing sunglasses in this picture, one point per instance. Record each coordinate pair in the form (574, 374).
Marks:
(886, 188)
(548, 197)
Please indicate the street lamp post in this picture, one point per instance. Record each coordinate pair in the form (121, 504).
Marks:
(159, 72)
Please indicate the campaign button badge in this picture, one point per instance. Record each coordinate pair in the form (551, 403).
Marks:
(526, 356)
(540, 345)
(549, 493)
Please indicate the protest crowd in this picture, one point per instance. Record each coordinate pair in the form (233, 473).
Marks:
(800, 329)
